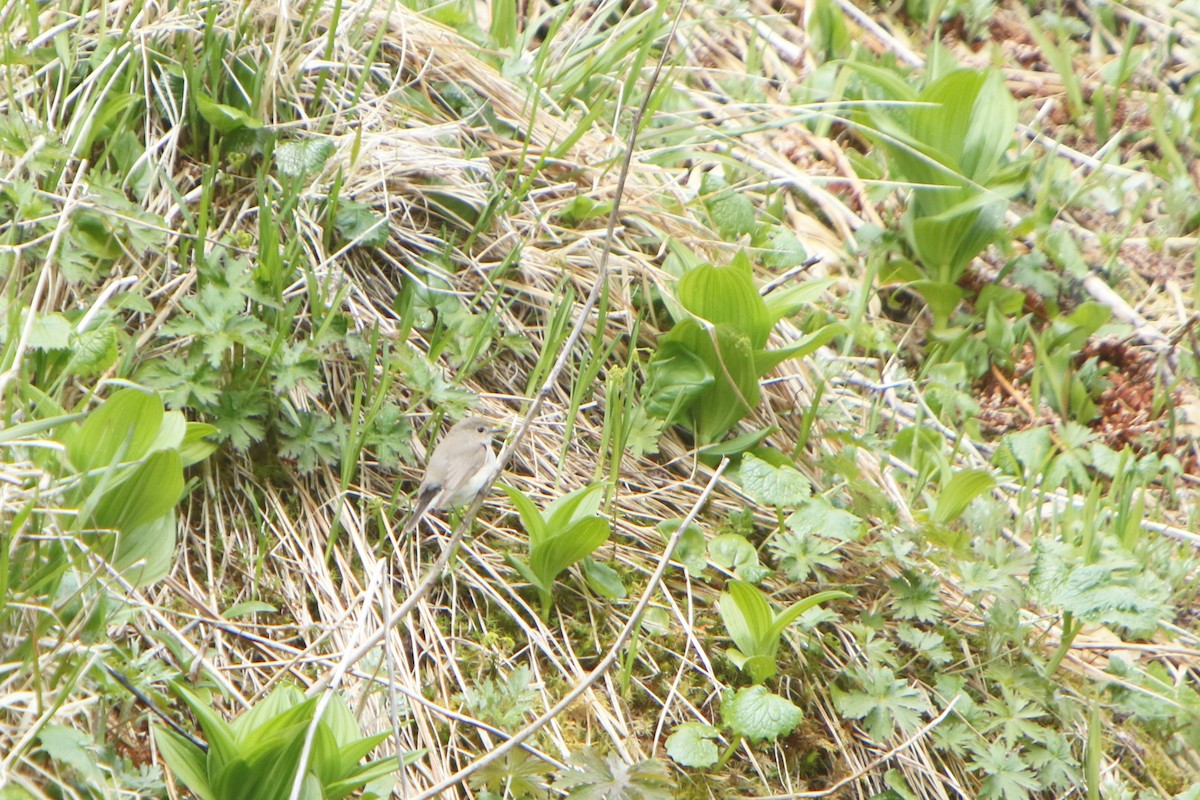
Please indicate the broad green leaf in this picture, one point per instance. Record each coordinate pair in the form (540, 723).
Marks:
(50, 332)
(145, 554)
(692, 744)
(187, 762)
(691, 550)
(783, 249)
(748, 618)
(568, 509)
(738, 444)
(171, 432)
(222, 742)
(727, 295)
(604, 580)
(343, 724)
(941, 296)
(959, 491)
(269, 710)
(151, 489)
(126, 423)
(222, 117)
(773, 486)
(197, 443)
(728, 356)
(677, 377)
(531, 517)
(359, 223)
(755, 713)
(564, 549)
(731, 211)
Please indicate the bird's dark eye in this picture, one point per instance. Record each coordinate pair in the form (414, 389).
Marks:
(480, 429)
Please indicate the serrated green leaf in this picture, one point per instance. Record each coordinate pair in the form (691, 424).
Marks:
(735, 552)
(773, 486)
(692, 744)
(361, 224)
(756, 713)
(299, 159)
(50, 332)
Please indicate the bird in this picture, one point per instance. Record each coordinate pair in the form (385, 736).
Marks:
(457, 470)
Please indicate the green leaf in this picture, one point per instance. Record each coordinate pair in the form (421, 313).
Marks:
(359, 223)
(222, 117)
(942, 297)
(800, 607)
(568, 509)
(126, 423)
(959, 491)
(691, 550)
(145, 554)
(248, 608)
(884, 703)
(299, 159)
(187, 762)
(564, 549)
(773, 486)
(727, 295)
(691, 745)
(747, 617)
(151, 490)
(677, 378)
(755, 713)
(604, 580)
(731, 212)
(50, 332)
(67, 745)
(197, 445)
(733, 551)
(1005, 775)
(1117, 590)
(611, 778)
(531, 517)
(222, 744)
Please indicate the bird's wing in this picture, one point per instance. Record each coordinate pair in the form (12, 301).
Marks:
(463, 463)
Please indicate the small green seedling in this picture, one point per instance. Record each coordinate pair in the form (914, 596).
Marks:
(756, 629)
(565, 533)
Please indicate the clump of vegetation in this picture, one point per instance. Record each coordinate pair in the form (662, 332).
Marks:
(852, 379)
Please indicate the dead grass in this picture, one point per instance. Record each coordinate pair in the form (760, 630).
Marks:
(311, 547)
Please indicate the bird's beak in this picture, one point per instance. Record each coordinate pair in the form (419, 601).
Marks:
(499, 429)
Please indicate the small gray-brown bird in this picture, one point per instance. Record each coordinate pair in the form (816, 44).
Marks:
(457, 470)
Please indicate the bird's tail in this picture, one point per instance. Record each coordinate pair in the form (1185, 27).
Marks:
(418, 512)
